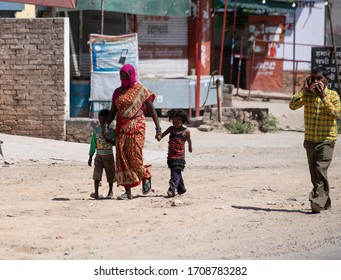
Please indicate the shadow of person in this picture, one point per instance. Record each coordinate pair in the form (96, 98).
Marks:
(150, 195)
(270, 209)
(61, 199)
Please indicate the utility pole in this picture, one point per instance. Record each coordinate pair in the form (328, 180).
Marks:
(199, 43)
(334, 47)
(102, 17)
(223, 38)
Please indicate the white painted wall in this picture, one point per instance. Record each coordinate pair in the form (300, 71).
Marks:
(310, 31)
(67, 66)
(28, 12)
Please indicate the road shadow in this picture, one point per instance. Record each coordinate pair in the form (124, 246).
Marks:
(61, 199)
(151, 195)
(89, 198)
(272, 210)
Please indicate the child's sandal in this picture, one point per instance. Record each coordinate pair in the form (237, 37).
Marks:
(146, 186)
(125, 196)
(170, 194)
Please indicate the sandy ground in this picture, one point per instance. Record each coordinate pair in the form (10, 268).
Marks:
(247, 199)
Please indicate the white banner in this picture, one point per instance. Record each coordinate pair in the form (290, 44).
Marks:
(103, 85)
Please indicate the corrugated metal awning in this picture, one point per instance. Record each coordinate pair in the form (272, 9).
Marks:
(51, 3)
(281, 6)
(180, 8)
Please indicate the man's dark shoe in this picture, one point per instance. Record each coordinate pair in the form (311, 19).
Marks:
(315, 208)
(328, 207)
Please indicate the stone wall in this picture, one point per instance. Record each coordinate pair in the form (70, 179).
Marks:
(32, 95)
(80, 129)
(232, 113)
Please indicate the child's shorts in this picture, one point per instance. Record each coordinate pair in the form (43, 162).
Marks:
(108, 164)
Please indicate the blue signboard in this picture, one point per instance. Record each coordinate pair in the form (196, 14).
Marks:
(110, 56)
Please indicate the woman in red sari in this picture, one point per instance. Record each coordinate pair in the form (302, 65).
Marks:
(129, 102)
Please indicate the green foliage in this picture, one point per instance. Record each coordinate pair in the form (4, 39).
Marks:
(339, 125)
(269, 123)
(240, 127)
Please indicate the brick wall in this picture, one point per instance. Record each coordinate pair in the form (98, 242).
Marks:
(32, 95)
(288, 80)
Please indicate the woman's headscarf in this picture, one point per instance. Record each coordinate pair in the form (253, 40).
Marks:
(130, 70)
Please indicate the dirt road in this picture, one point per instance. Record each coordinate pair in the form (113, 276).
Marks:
(247, 199)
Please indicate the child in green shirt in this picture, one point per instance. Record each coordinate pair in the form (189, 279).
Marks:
(103, 147)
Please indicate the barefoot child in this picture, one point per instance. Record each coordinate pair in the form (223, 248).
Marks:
(104, 155)
(178, 135)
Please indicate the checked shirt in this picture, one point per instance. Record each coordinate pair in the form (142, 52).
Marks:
(320, 115)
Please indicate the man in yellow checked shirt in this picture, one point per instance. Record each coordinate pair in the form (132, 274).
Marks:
(321, 110)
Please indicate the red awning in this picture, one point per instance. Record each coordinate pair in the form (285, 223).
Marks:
(71, 4)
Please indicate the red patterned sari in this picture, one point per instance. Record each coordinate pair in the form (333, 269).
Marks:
(130, 136)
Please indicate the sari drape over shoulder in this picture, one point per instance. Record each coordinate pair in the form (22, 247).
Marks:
(130, 136)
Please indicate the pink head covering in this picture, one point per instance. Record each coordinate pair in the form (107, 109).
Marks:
(130, 70)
